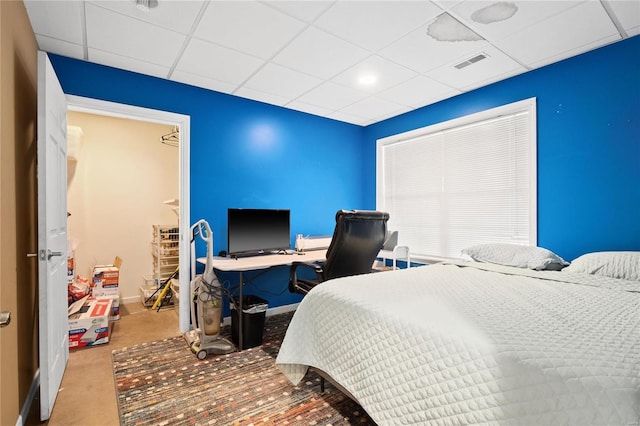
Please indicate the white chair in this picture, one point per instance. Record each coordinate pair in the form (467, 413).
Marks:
(391, 250)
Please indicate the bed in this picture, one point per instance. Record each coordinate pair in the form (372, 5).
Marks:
(476, 342)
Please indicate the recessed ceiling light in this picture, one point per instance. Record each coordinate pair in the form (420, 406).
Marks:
(367, 79)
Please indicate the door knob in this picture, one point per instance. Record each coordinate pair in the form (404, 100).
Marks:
(50, 254)
(5, 318)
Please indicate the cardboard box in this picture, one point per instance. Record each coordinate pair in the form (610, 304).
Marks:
(89, 322)
(114, 315)
(105, 279)
(70, 269)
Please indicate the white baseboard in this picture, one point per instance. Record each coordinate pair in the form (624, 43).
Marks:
(26, 407)
(227, 320)
(271, 311)
(130, 299)
(282, 309)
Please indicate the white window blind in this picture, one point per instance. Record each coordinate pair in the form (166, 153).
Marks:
(468, 181)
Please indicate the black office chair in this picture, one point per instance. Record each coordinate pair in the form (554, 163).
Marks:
(357, 240)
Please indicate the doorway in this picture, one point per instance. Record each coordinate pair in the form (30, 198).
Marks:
(181, 123)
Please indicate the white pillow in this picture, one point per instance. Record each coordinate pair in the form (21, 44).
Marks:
(530, 257)
(613, 264)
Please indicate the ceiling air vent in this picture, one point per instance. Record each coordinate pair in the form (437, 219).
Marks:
(470, 61)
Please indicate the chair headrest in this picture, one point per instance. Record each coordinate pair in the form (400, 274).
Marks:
(362, 214)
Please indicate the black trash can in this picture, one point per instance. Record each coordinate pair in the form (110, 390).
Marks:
(254, 311)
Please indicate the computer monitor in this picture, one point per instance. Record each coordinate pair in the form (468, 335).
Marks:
(258, 231)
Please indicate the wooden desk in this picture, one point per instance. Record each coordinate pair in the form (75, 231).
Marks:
(253, 263)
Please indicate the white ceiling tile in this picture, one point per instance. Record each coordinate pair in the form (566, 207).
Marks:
(349, 118)
(437, 99)
(60, 47)
(528, 13)
(447, 4)
(126, 63)
(260, 96)
(421, 52)
(490, 69)
(418, 91)
(390, 115)
(311, 109)
(217, 62)
(320, 54)
(177, 16)
(282, 81)
(387, 73)
(375, 24)
(115, 33)
(575, 51)
(574, 31)
(494, 78)
(332, 96)
(306, 11)
(308, 55)
(249, 27)
(633, 31)
(204, 82)
(628, 14)
(56, 19)
(374, 108)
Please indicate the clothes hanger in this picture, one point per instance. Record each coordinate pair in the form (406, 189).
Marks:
(173, 138)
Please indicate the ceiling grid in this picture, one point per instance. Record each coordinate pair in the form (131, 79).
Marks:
(353, 61)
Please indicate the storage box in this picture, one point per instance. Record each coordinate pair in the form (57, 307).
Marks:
(146, 291)
(150, 281)
(72, 243)
(114, 315)
(105, 279)
(149, 287)
(89, 322)
(70, 269)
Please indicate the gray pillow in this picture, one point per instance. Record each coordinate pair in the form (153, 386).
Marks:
(519, 256)
(613, 264)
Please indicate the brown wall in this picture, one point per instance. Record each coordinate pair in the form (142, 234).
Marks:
(18, 204)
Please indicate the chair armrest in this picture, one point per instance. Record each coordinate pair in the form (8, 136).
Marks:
(317, 267)
(293, 276)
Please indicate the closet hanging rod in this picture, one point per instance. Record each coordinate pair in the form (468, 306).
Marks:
(173, 138)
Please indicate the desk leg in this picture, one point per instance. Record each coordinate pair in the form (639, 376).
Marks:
(240, 315)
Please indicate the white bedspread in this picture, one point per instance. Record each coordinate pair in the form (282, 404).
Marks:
(446, 344)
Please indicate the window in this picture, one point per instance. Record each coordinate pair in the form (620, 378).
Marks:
(462, 182)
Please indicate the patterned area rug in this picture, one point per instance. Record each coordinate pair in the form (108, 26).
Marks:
(163, 383)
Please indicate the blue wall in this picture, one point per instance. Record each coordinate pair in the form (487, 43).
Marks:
(244, 154)
(588, 110)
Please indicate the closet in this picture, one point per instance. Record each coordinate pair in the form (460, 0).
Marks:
(124, 173)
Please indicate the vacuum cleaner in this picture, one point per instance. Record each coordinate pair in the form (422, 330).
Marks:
(206, 302)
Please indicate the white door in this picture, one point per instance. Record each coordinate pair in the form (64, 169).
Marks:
(52, 233)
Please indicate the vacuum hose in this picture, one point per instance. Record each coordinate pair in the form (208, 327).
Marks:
(210, 301)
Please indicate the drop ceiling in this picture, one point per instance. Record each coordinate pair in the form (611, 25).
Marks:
(355, 61)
